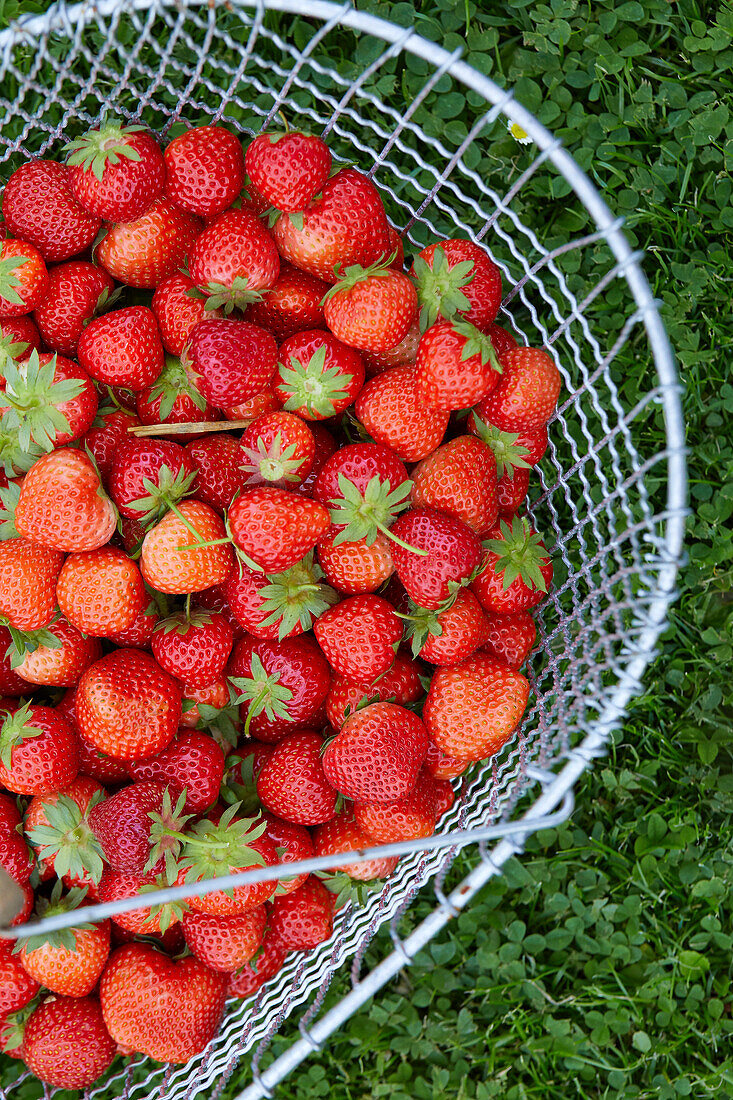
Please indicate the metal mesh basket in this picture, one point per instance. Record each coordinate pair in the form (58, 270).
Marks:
(609, 499)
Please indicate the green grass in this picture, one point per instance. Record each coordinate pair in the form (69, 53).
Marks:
(600, 964)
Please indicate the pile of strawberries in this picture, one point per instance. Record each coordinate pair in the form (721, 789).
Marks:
(264, 577)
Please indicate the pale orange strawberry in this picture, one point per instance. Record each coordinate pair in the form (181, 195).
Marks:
(62, 503)
(143, 252)
(69, 961)
(354, 567)
(101, 591)
(172, 558)
(459, 478)
(57, 656)
(28, 573)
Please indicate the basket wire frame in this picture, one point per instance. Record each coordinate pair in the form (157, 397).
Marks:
(611, 508)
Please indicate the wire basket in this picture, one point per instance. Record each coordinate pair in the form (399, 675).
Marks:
(609, 500)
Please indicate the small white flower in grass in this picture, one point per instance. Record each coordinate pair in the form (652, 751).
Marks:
(518, 133)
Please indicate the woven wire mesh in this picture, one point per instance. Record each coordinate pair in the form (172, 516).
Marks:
(608, 499)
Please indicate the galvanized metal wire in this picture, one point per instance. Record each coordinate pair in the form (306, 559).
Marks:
(611, 506)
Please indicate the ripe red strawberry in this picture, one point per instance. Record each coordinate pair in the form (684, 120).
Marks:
(275, 528)
(318, 376)
(68, 962)
(288, 169)
(101, 591)
(401, 354)
(472, 709)
(325, 447)
(116, 172)
(38, 207)
(450, 636)
(11, 683)
(511, 638)
(292, 783)
(204, 170)
(365, 486)
(511, 492)
(399, 684)
(107, 433)
(512, 450)
(219, 476)
(18, 338)
(15, 856)
(359, 636)
(192, 762)
(144, 252)
(128, 827)
(62, 503)
(279, 449)
(23, 278)
(441, 766)
(224, 847)
(293, 843)
(194, 648)
(232, 360)
(122, 348)
(166, 1010)
(148, 476)
(177, 311)
(454, 551)
(224, 943)
(355, 567)
(127, 706)
(28, 573)
(502, 340)
(377, 754)
(174, 397)
(456, 366)
(265, 965)
(283, 684)
(66, 1044)
(516, 570)
(456, 278)
(57, 825)
(371, 308)
(281, 605)
(37, 750)
(303, 918)
(342, 834)
(459, 478)
(233, 260)
(175, 557)
(261, 403)
(57, 655)
(292, 304)
(346, 225)
(527, 393)
(407, 818)
(76, 290)
(391, 412)
(17, 987)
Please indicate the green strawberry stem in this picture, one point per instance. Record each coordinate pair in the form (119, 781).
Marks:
(400, 542)
(254, 709)
(192, 530)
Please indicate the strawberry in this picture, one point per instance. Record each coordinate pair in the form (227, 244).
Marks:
(292, 304)
(76, 291)
(303, 918)
(194, 648)
(49, 399)
(456, 278)
(157, 920)
(204, 170)
(459, 478)
(516, 570)
(233, 260)
(283, 684)
(28, 573)
(66, 1044)
(176, 556)
(346, 225)
(219, 476)
(526, 396)
(275, 528)
(18, 338)
(293, 843)
(407, 818)
(132, 827)
(101, 591)
(57, 825)
(38, 207)
(359, 636)
(17, 987)
(214, 599)
(140, 632)
(37, 750)
(115, 172)
(512, 450)
(450, 636)
(68, 962)
(342, 834)
(281, 605)
(23, 278)
(441, 766)
(261, 403)
(107, 433)
(473, 708)
(15, 856)
(226, 847)
(511, 492)
(355, 567)
(122, 348)
(399, 684)
(365, 487)
(377, 754)
(376, 362)
(174, 397)
(371, 308)
(57, 655)
(279, 449)
(288, 169)
(11, 683)
(456, 366)
(148, 476)
(454, 552)
(318, 376)
(166, 1010)
(325, 447)
(232, 360)
(127, 706)
(193, 762)
(269, 959)
(62, 503)
(224, 943)
(144, 252)
(292, 783)
(501, 339)
(391, 412)
(511, 638)
(177, 311)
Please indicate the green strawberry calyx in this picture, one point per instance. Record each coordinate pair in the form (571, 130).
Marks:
(312, 387)
(477, 343)
(380, 269)
(9, 497)
(23, 642)
(509, 454)
(65, 939)
(163, 494)
(364, 515)
(348, 891)
(97, 148)
(422, 624)
(240, 784)
(166, 830)
(273, 464)
(16, 729)
(212, 850)
(172, 382)
(182, 622)
(264, 693)
(15, 459)
(226, 297)
(68, 840)
(10, 348)
(166, 913)
(12, 1027)
(440, 287)
(223, 723)
(30, 401)
(9, 281)
(295, 596)
(520, 553)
